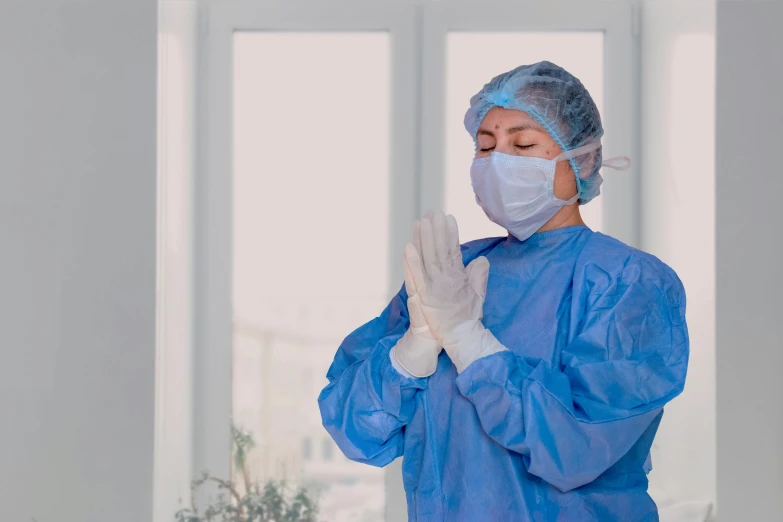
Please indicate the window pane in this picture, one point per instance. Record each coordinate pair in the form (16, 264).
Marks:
(475, 58)
(311, 216)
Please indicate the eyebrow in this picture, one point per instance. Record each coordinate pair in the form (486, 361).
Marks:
(512, 130)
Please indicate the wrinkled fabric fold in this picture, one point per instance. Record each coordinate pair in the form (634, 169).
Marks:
(367, 401)
(557, 428)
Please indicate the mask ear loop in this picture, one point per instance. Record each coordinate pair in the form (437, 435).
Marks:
(616, 163)
(584, 149)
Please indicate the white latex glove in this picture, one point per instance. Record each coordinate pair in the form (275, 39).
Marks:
(451, 295)
(417, 350)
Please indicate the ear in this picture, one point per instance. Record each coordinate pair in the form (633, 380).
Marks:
(565, 183)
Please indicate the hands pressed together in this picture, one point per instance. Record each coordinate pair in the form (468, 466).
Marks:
(445, 300)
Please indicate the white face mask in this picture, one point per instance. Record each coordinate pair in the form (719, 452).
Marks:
(517, 192)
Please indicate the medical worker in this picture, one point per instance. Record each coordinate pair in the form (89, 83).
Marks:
(522, 378)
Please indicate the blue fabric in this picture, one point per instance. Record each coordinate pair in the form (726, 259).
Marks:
(559, 428)
(558, 102)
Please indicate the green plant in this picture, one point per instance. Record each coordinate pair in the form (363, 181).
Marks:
(274, 502)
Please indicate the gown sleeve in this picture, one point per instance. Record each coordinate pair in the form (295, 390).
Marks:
(627, 357)
(367, 403)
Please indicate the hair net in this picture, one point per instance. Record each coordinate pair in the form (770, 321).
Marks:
(558, 102)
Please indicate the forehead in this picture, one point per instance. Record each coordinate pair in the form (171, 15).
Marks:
(500, 118)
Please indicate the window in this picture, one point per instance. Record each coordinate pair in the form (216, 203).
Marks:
(310, 238)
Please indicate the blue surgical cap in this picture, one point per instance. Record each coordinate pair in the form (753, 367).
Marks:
(558, 102)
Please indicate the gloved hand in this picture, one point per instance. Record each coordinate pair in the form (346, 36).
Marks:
(451, 295)
(418, 349)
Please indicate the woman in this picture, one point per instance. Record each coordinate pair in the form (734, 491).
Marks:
(529, 384)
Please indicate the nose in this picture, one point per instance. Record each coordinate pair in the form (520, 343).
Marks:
(503, 145)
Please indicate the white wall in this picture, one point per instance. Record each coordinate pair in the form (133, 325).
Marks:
(77, 270)
(749, 240)
(678, 223)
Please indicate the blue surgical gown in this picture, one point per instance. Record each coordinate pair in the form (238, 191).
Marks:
(559, 427)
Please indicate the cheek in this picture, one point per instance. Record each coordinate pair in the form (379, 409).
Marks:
(565, 182)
